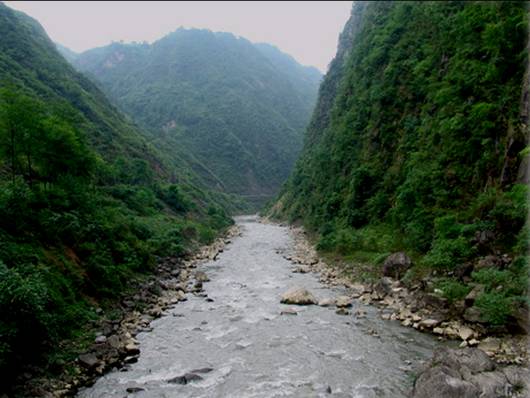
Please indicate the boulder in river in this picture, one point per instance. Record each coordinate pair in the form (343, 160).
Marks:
(201, 276)
(326, 302)
(289, 311)
(396, 265)
(298, 296)
(185, 379)
(132, 390)
(343, 302)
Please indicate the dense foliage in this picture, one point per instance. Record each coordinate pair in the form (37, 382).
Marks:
(236, 108)
(417, 143)
(85, 202)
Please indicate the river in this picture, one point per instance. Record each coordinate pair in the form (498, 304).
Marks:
(246, 348)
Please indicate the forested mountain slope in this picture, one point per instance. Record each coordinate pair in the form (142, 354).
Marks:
(238, 109)
(85, 201)
(417, 143)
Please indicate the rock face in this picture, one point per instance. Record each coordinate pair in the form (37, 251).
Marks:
(468, 373)
(298, 296)
(396, 265)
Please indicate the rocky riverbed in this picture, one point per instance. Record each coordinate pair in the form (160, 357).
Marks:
(236, 338)
(499, 363)
(259, 314)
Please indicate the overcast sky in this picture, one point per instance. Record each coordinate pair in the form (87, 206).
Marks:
(306, 30)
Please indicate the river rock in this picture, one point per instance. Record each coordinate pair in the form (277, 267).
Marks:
(132, 390)
(433, 300)
(131, 359)
(491, 384)
(185, 379)
(289, 311)
(100, 339)
(298, 296)
(327, 302)
(440, 383)
(155, 312)
(465, 333)
(382, 288)
(343, 302)
(88, 361)
(183, 275)
(396, 265)
(429, 323)
(114, 341)
(132, 349)
(467, 372)
(357, 290)
(342, 311)
(490, 345)
(201, 277)
(360, 313)
(302, 269)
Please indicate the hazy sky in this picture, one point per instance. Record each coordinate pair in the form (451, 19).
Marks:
(306, 30)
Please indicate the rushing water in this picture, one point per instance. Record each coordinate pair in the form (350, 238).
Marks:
(254, 351)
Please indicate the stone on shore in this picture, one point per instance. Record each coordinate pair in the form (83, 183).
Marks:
(88, 361)
(201, 276)
(466, 373)
(396, 265)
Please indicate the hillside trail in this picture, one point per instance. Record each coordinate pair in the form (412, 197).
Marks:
(237, 343)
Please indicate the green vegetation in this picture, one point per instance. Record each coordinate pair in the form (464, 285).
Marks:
(85, 202)
(418, 134)
(453, 290)
(234, 110)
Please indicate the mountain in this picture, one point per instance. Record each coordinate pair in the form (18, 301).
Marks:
(86, 202)
(68, 54)
(237, 108)
(417, 144)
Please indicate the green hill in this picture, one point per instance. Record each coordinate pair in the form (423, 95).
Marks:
(86, 201)
(417, 144)
(239, 109)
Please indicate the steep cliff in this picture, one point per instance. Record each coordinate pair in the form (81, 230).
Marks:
(416, 144)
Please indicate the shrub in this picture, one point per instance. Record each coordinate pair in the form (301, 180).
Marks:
(506, 281)
(24, 320)
(173, 196)
(446, 253)
(453, 290)
(495, 307)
